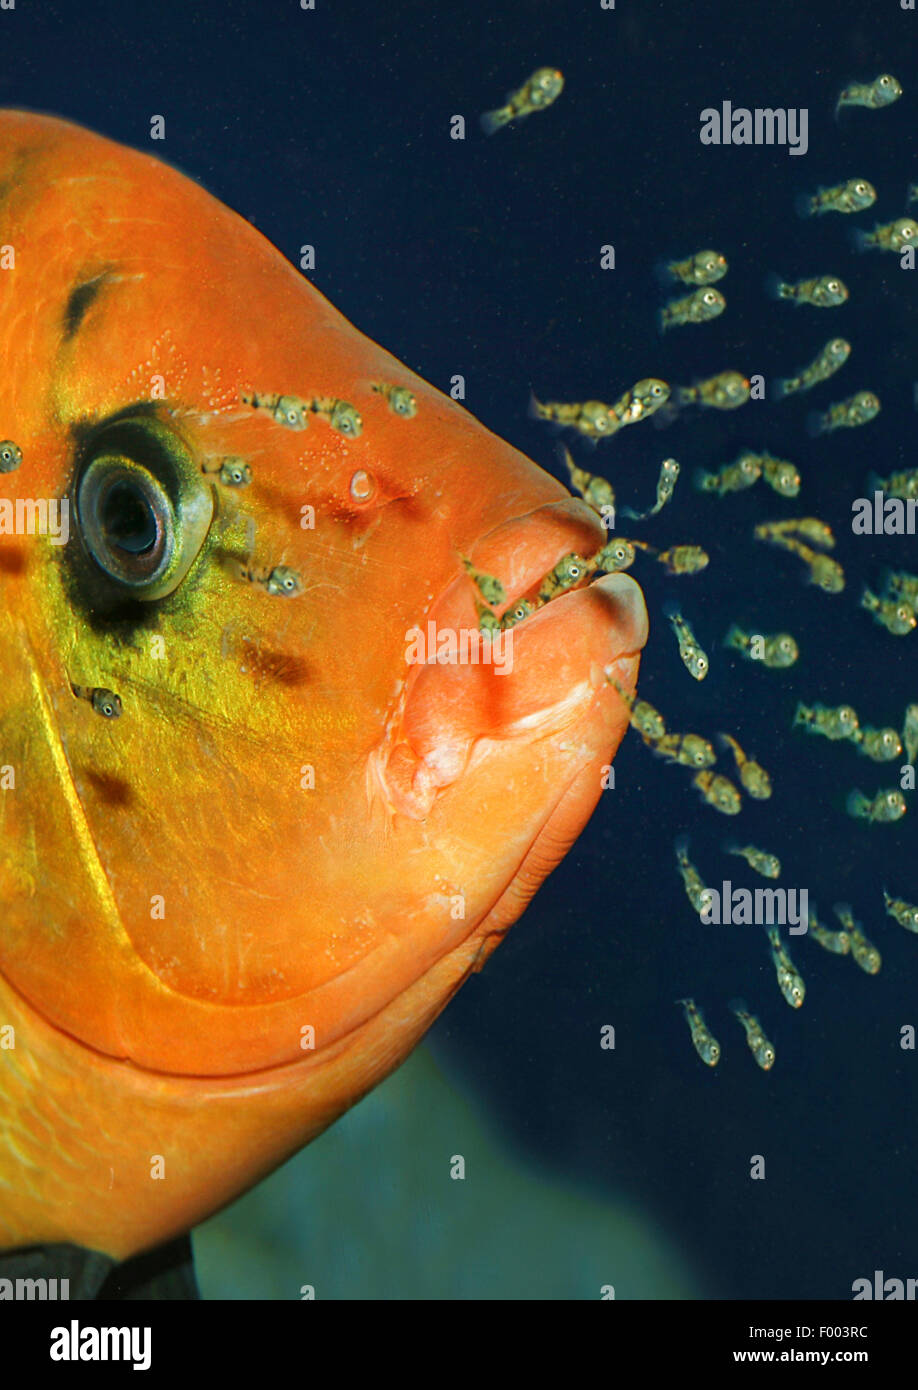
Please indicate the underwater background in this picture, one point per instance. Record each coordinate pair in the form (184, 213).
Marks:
(588, 1166)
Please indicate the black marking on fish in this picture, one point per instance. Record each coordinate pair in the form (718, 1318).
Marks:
(81, 299)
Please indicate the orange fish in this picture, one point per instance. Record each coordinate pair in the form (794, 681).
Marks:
(252, 838)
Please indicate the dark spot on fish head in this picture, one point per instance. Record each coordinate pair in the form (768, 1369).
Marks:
(114, 791)
(12, 560)
(81, 299)
(272, 667)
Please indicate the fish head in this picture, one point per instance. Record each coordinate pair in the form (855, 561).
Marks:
(234, 907)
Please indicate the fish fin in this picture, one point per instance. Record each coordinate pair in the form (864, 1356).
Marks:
(491, 121)
(671, 609)
(733, 638)
(803, 205)
(662, 272)
(784, 386)
(536, 410)
(738, 1006)
(681, 844)
(703, 481)
(662, 321)
(731, 847)
(842, 910)
(859, 240)
(775, 287)
(855, 802)
(814, 424)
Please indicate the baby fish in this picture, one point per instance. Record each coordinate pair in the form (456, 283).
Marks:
(690, 750)
(906, 914)
(777, 651)
(540, 90)
(761, 1049)
(813, 530)
(733, 477)
(707, 1047)
(824, 572)
(853, 196)
(399, 399)
(874, 95)
(718, 792)
(520, 610)
(593, 419)
(838, 942)
(704, 268)
(904, 484)
(684, 559)
(882, 745)
(781, 476)
(858, 409)
(790, 982)
(231, 471)
(488, 621)
(105, 702)
(567, 574)
(864, 952)
(901, 584)
(768, 865)
(644, 397)
(693, 658)
(910, 733)
(823, 292)
(897, 616)
(596, 492)
(753, 776)
(645, 719)
(618, 555)
(726, 391)
(835, 724)
(289, 411)
(341, 415)
(893, 236)
(666, 486)
(698, 895)
(833, 356)
(912, 194)
(698, 307)
(886, 806)
(284, 582)
(10, 456)
(491, 589)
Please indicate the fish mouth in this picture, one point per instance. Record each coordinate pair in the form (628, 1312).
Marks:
(546, 676)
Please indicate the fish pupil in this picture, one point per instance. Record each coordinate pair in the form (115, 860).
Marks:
(128, 520)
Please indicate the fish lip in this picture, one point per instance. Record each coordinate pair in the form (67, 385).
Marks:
(568, 525)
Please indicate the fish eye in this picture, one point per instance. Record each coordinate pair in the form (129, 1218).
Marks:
(710, 297)
(142, 507)
(860, 188)
(574, 571)
(656, 390)
(884, 81)
(834, 286)
(602, 422)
